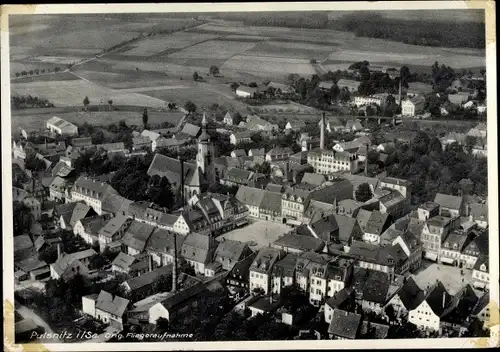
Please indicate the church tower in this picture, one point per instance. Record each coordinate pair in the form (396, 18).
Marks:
(205, 156)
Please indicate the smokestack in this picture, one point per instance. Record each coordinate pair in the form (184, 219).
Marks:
(58, 251)
(150, 262)
(444, 298)
(182, 181)
(174, 271)
(322, 132)
(399, 97)
(45, 142)
(366, 161)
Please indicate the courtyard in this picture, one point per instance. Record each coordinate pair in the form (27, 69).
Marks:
(450, 276)
(258, 233)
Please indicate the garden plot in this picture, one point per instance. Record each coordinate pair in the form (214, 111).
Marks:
(159, 44)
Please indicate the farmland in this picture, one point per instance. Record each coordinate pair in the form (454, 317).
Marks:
(30, 120)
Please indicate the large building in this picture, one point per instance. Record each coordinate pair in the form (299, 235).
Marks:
(329, 161)
(57, 125)
(413, 106)
(191, 177)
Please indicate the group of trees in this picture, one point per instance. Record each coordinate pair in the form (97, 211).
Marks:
(23, 219)
(36, 71)
(432, 169)
(23, 102)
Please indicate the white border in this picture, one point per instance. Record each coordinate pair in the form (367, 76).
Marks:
(8, 266)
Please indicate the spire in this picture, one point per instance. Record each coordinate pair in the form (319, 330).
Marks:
(204, 135)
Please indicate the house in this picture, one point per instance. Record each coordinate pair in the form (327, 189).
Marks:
(112, 147)
(69, 265)
(92, 192)
(450, 206)
(107, 308)
(57, 188)
(164, 246)
(481, 310)
(237, 177)
(457, 316)
(479, 214)
(34, 206)
(374, 289)
(251, 198)
(427, 314)
(141, 143)
(198, 250)
(418, 88)
(88, 228)
(333, 124)
(393, 203)
(257, 152)
(23, 246)
(237, 153)
(326, 86)
(131, 265)
(434, 232)
(113, 230)
(413, 106)
(392, 72)
(295, 243)
(262, 305)
(374, 330)
(59, 126)
(348, 207)
(353, 125)
(270, 206)
(480, 273)
(241, 137)
(343, 299)
(191, 130)
(452, 247)
(427, 210)
(295, 125)
(376, 99)
(142, 285)
(228, 119)
(70, 213)
(31, 267)
(279, 89)
(407, 298)
(330, 161)
(256, 124)
(477, 247)
(239, 276)
(247, 92)
(261, 268)
(278, 154)
(344, 325)
(349, 84)
(229, 253)
(136, 237)
(353, 146)
(284, 272)
(480, 131)
(375, 226)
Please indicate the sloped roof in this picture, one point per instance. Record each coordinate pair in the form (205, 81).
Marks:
(163, 241)
(22, 243)
(123, 260)
(115, 203)
(435, 299)
(170, 168)
(448, 201)
(115, 305)
(153, 136)
(196, 247)
(271, 201)
(345, 324)
(149, 277)
(303, 243)
(79, 212)
(191, 130)
(94, 224)
(113, 225)
(410, 294)
(229, 249)
(381, 330)
(479, 212)
(250, 196)
(376, 222)
(363, 217)
(313, 179)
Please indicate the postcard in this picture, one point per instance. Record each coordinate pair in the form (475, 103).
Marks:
(249, 175)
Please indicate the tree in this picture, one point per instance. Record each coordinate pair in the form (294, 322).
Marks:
(264, 168)
(363, 193)
(470, 142)
(34, 164)
(160, 192)
(86, 102)
(214, 70)
(196, 76)
(253, 84)
(190, 107)
(237, 118)
(234, 86)
(110, 103)
(145, 118)
(23, 219)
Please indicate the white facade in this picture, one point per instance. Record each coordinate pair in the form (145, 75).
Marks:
(181, 227)
(360, 101)
(88, 305)
(408, 108)
(35, 207)
(93, 202)
(158, 311)
(424, 318)
(327, 162)
(259, 280)
(79, 230)
(317, 290)
(60, 126)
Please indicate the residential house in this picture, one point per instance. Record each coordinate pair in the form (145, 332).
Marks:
(69, 265)
(427, 314)
(479, 214)
(457, 316)
(141, 143)
(261, 268)
(59, 126)
(270, 207)
(480, 273)
(190, 220)
(241, 137)
(376, 99)
(136, 236)
(229, 253)
(30, 267)
(228, 119)
(257, 152)
(237, 153)
(353, 125)
(344, 325)
(413, 106)
(278, 154)
(34, 206)
(348, 207)
(450, 206)
(107, 308)
(407, 298)
(142, 285)
(293, 204)
(279, 89)
(480, 131)
(343, 299)
(427, 210)
(459, 98)
(434, 232)
(256, 124)
(284, 272)
(481, 310)
(393, 203)
(251, 198)
(239, 276)
(88, 228)
(247, 92)
(333, 124)
(452, 247)
(199, 250)
(237, 177)
(389, 259)
(57, 189)
(374, 289)
(293, 242)
(92, 192)
(477, 247)
(295, 125)
(131, 265)
(113, 231)
(326, 86)
(70, 215)
(375, 226)
(164, 246)
(118, 147)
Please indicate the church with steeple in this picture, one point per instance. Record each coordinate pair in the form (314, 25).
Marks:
(188, 177)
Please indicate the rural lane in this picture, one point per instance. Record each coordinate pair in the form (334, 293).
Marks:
(28, 313)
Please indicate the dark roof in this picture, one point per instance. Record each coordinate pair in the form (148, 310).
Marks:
(123, 260)
(482, 302)
(340, 190)
(339, 297)
(483, 259)
(148, 278)
(115, 305)
(376, 287)
(250, 196)
(22, 243)
(163, 241)
(94, 224)
(137, 235)
(479, 212)
(448, 201)
(170, 168)
(461, 306)
(376, 222)
(344, 324)
(271, 201)
(479, 244)
(197, 247)
(381, 330)
(191, 130)
(113, 225)
(304, 243)
(229, 249)
(410, 294)
(286, 266)
(436, 297)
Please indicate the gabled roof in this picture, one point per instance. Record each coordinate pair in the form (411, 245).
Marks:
(303, 243)
(94, 224)
(153, 136)
(271, 201)
(250, 196)
(148, 278)
(410, 294)
(197, 247)
(363, 217)
(80, 211)
(380, 330)
(191, 130)
(479, 212)
(113, 225)
(114, 305)
(22, 243)
(123, 260)
(162, 241)
(345, 324)
(81, 142)
(436, 297)
(137, 235)
(448, 201)
(461, 306)
(376, 223)
(313, 179)
(170, 168)
(229, 249)
(483, 259)
(64, 262)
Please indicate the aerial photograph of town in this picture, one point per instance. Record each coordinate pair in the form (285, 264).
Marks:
(249, 176)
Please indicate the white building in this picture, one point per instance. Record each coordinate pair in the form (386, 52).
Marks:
(413, 106)
(246, 92)
(377, 99)
(329, 161)
(262, 267)
(427, 315)
(92, 192)
(57, 125)
(106, 308)
(480, 273)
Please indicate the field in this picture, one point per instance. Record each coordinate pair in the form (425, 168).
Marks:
(33, 121)
(266, 66)
(72, 93)
(291, 50)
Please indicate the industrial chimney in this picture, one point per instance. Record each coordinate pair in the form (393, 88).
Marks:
(322, 132)
(366, 161)
(174, 268)
(182, 181)
(58, 251)
(399, 97)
